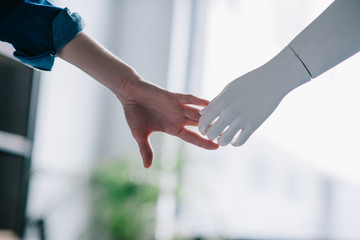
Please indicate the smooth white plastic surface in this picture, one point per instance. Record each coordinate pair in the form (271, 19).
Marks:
(331, 38)
(249, 100)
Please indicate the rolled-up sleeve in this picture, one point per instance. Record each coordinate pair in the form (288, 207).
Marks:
(38, 30)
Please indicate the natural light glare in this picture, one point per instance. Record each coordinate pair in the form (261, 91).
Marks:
(317, 121)
(292, 170)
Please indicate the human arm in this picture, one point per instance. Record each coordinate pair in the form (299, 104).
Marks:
(147, 108)
(39, 31)
(249, 100)
(7, 7)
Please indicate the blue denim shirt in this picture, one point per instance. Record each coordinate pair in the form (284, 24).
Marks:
(38, 30)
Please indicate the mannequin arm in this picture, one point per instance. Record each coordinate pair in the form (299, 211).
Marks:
(331, 38)
(249, 100)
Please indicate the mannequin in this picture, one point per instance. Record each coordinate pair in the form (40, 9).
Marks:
(249, 100)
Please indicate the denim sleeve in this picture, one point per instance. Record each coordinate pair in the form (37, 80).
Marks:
(38, 30)
(6, 7)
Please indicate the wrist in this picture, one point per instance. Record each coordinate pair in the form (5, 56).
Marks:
(288, 71)
(133, 89)
(89, 56)
(123, 84)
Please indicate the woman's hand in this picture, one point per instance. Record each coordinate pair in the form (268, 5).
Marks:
(149, 108)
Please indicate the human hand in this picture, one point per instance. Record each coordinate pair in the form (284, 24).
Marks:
(249, 100)
(149, 108)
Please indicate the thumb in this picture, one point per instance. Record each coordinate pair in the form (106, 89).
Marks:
(146, 150)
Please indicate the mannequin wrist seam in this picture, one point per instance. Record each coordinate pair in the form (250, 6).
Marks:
(308, 71)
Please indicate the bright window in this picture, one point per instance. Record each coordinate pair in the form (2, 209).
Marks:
(291, 179)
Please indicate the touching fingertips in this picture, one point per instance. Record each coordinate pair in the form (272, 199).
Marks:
(213, 146)
(207, 119)
(212, 133)
(223, 142)
(202, 128)
(225, 138)
(210, 137)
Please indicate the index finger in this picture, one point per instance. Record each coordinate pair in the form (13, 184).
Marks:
(191, 99)
(194, 138)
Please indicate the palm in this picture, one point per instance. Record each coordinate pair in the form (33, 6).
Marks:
(160, 110)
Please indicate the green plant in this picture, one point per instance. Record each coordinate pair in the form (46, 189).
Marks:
(124, 200)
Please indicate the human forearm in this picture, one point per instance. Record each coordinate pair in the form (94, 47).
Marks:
(91, 57)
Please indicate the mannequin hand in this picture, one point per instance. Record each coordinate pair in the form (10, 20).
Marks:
(149, 108)
(249, 100)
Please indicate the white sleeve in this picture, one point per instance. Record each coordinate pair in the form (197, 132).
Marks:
(331, 38)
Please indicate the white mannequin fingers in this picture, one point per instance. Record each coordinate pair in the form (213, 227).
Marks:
(228, 135)
(207, 118)
(243, 137)
(217, 128)
(203, 111)
(209, 106)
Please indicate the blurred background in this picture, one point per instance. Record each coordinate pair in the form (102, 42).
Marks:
(296, 178)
